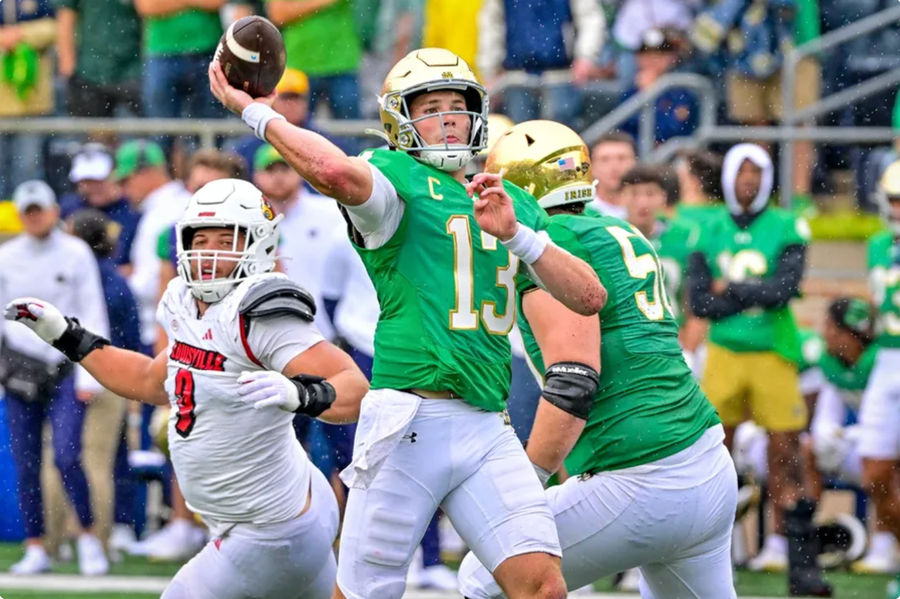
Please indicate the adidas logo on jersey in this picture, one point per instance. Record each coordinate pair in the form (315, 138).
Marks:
(208, 335)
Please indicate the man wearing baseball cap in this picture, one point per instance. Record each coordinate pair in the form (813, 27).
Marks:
(291, 100)
(38, 380)
(142, 171)
(91, 173)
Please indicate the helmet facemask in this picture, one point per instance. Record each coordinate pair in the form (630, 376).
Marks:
(237, 207)
(252, 252)
(444, 156)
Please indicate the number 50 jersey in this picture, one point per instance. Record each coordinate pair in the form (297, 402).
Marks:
(234, 463)
(648, 405)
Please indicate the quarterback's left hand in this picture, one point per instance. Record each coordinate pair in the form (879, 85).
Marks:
(493, 209)
(264, 388)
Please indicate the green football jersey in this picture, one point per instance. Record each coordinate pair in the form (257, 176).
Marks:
(648, 405)
(850, 379)
(673, 246)
(741, 255)
(447, 291)
(699, 215)
(812, 348)
(884, 281)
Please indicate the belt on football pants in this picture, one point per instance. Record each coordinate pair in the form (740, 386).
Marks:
(431, 394)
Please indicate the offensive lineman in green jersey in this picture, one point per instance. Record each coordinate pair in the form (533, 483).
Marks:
(444, 266)
(879, 416)
(747, 266)
(639, 439)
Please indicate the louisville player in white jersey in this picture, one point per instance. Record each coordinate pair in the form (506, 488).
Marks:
(243, 356)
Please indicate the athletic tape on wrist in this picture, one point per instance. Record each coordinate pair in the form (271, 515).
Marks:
(258, 115)
(526, 244)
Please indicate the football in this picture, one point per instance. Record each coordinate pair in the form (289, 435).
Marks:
(252, 55)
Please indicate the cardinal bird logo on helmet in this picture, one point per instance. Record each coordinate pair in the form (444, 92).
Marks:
(267, 210)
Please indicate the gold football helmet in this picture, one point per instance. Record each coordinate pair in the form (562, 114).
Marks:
(547, 159)
(497, 125)
(888, 192)
(427, 70)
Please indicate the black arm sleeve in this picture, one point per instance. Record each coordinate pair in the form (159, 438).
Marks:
(703, 303)
(777, 290)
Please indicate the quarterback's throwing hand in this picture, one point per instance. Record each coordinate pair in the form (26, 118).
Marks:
(264, 388)
(231, 98)
(41, 317)
(493, 209)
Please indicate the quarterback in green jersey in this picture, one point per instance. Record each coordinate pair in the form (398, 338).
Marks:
(444, 256)
(746, 268)
(620, 408)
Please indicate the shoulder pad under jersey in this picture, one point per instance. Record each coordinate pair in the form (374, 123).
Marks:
(277, 296)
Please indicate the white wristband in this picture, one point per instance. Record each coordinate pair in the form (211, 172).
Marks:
(526, 244)
(257, 115)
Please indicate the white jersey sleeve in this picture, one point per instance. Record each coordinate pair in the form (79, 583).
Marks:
(378, 218)
(277, 340)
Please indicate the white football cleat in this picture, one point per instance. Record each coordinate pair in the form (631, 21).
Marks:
(91, 559)
(772, 557)
(35, 561)
(177, 540)
(121, 537)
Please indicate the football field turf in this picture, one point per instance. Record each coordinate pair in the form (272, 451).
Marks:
(135, 578)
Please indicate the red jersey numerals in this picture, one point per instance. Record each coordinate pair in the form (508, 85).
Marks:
(184, 399)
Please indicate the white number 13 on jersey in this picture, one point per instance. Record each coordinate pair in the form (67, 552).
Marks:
(463, 315)
(639, 267)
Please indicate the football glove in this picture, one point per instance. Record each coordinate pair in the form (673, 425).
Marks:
(303, 394)
(64, 333)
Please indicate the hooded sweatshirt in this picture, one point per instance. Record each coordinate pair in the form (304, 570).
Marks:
(761, 255)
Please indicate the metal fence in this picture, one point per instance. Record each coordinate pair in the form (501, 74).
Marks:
(795, 125)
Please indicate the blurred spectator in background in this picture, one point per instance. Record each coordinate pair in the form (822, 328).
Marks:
(636, 17)
(244, 8)
(98, 48)
(203, 167)
(43, 261)
(179, 40)
(311, 223)
(321, 40)
(523, 40)
(677, 111)
(27, 33)
(104, 425)
(92, 174)
(757, 35)
(852, 63)
(612, 155)
(699, 174)
(391, 30)
(461, 38)
(291, 101)
(141, 170)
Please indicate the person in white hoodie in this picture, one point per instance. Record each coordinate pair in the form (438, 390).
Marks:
(745, 269)
(38, 380)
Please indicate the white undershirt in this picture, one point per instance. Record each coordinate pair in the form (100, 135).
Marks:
(378, 218)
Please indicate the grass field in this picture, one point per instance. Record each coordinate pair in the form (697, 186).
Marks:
(749, 584)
